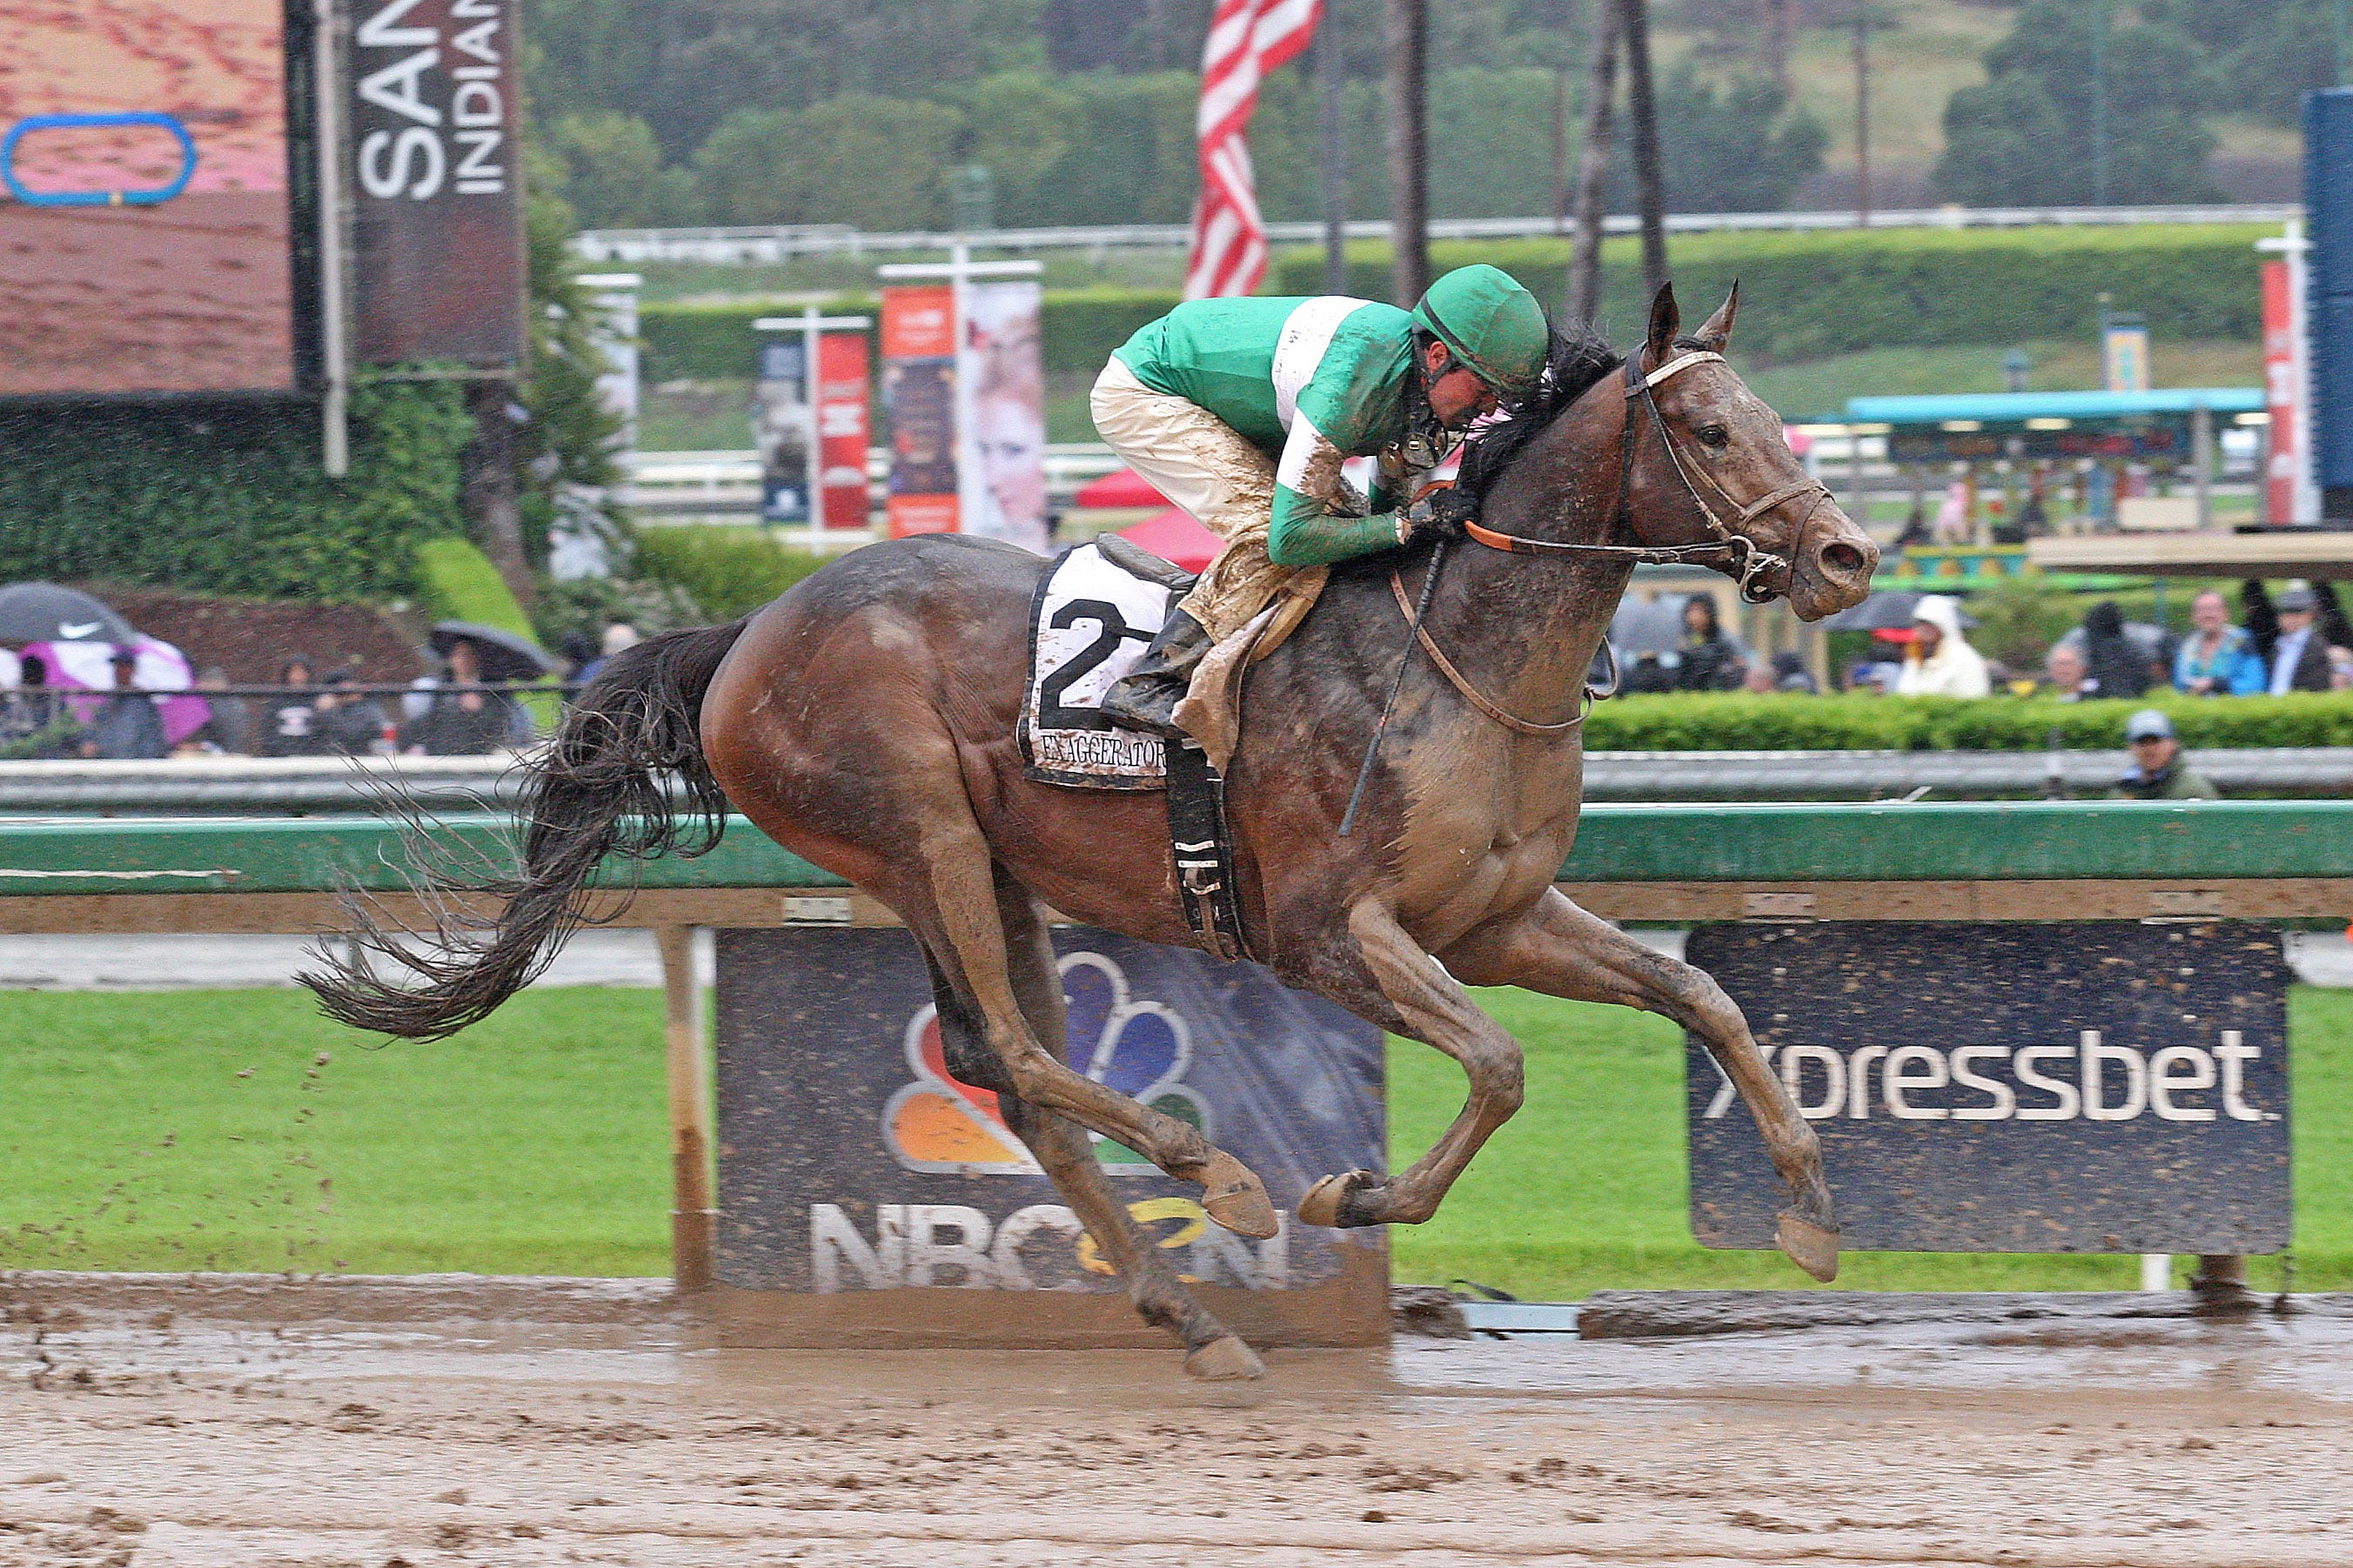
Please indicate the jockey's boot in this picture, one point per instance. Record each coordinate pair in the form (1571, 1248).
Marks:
(1145, 698)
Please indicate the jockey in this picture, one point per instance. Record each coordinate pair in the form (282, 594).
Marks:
(1241, 411)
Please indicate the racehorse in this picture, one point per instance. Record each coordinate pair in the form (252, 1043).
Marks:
(866, 719)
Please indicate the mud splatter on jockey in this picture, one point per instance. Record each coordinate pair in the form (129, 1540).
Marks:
(1241, 411)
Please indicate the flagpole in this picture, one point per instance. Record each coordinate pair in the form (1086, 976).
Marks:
(1409, 146)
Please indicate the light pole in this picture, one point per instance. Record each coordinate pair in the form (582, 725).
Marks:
(1862, 114)
(1329, 84)
(2100, 103)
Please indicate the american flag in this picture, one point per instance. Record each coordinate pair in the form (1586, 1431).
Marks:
(1248, 38)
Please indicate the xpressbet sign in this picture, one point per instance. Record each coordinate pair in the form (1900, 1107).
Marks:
(2092, 1088)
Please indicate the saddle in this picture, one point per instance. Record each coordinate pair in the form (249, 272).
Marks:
(1097, 608)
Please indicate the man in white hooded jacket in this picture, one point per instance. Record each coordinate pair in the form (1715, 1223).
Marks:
(1941, 663)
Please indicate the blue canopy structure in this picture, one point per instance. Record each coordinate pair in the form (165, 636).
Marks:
(2018, 407)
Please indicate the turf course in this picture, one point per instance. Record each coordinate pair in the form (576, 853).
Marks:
(239, 1131)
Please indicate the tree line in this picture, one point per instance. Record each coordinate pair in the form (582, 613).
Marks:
(657, 112)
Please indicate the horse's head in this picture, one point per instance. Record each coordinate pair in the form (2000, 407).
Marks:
(1705, 458)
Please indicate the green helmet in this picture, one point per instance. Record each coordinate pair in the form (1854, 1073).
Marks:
(1491, 323)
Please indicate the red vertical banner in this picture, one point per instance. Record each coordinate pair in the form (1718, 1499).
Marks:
(919, 392)
(843, 429)
(2282, 395)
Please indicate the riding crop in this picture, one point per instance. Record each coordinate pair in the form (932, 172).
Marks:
(1397, 683)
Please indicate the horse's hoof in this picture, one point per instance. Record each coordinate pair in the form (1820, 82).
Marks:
(1225, 1359)
(1328, 1201)
(1236, 1198)
(1809, 1245)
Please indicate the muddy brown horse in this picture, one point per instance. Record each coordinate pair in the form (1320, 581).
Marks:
(866, 721)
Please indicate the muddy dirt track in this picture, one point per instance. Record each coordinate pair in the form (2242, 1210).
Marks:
(158, 1426)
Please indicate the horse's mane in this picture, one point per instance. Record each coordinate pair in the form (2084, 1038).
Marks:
(1579, 357)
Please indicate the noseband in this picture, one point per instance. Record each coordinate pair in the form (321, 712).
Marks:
(1732, 551)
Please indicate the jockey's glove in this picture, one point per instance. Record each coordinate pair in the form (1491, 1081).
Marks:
(1438, 514)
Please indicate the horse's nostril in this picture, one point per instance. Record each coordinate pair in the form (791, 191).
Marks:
(1842, 558)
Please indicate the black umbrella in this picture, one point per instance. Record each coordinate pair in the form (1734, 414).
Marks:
(505, 655)
(1887, 610)
(43, 612)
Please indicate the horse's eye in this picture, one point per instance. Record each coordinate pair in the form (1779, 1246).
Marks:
(1713, 435)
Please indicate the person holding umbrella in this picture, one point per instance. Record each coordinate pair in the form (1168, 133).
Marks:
(462, 720)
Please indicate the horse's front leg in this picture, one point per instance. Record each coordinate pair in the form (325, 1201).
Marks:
(1561, 950)
(1413, 995)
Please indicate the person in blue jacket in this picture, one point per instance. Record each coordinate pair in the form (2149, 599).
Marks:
(2217, 658)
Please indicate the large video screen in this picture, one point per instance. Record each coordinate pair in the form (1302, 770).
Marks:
(143, 219)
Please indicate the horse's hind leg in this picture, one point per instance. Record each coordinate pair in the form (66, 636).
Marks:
(1562, 950)
(953, 905)
(1412, 995)
(1060, 1145)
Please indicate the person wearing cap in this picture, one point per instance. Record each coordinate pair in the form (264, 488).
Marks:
(126, 726)
(2294, 647)
(2157, 772)
(1940, 662)
(1241, 411)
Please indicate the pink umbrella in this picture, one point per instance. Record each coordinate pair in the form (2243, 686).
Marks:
(1173, 535)
(89, 667)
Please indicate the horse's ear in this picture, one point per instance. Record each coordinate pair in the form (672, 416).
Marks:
(1716, 330)
(1666, 322)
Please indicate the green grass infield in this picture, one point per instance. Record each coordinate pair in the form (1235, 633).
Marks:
(236, 1130)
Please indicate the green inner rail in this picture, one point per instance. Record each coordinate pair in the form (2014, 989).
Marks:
(1850, 841)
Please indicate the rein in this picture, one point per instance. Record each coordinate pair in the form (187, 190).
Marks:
(1739, 556)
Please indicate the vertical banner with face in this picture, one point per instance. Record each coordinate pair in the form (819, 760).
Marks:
(919, 392)
(780, 428)
(2283, 395)
(1001, 466)
(843, 429)
(436, 149)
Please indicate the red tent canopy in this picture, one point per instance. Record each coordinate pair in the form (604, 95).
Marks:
(1126, 488)
(1173, 535)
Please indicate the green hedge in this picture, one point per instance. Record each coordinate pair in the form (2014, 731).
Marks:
(1808, 294)
(1739, 721)
(712, 342)
(231, 499)
(727, 570)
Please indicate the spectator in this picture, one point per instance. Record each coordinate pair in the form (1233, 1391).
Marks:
(228, 728)
(1789, 674)
(2289, 640)
(464, 721)
(2217, 658)
(1759, 680)
(2114, 665)
(293, 721)
(1916, 527)
(2062, 672)
(1940, 662)
(1711, 660)
(2157, 772)
(347, 724)
(618, 635)
(126, 726)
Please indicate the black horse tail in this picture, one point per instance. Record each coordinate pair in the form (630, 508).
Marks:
(624, 776)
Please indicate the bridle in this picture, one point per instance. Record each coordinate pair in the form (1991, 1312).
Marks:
(1731, 551)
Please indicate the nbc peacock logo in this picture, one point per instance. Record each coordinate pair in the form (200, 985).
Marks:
(1141, 1048)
